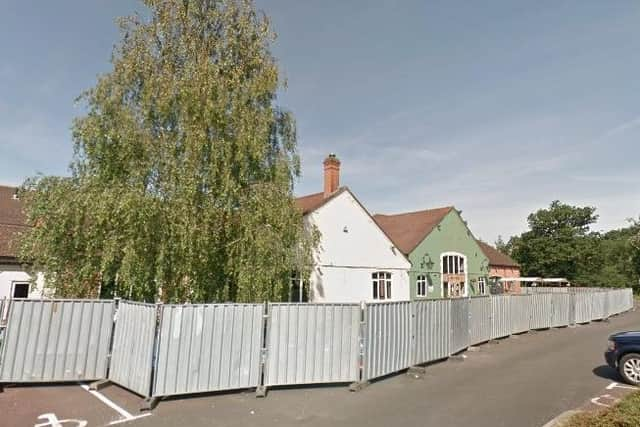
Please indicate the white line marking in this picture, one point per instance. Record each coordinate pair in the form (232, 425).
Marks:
(616, 385)
(127, 416)
(596, 400)
(128, 419)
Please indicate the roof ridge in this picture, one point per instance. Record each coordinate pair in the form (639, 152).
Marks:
(416, 212)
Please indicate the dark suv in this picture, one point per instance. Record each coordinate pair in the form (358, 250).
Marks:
(623, 354)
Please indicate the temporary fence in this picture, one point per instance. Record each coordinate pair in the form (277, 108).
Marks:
(500, 316)
(388, 339)
(432, 323)
(480, 319)
(208, 347)
(133, 347)
(560, 310)
(459, 325)
(160, 350)
(312, 343)
(520, 313)
(54, 341)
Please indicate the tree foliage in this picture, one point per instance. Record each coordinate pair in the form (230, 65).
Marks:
(560, 243)
(183, 169)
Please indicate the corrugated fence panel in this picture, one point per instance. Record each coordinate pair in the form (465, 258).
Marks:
(520, 313)
(208, 347)
(388, 340)
(432, 323)
(560, 310)
(133, 347)
(479, 320)
(57, 340)
(459, 324)
(312, 343)
(500, 316)
(583, 308)
(598, 305)
(540, 311)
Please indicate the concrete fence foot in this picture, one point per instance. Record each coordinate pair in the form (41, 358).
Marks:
(358, 385)
(99, 385)
(261, 391)
(149, 404)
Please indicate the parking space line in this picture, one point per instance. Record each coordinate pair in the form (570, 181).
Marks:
(123, 412)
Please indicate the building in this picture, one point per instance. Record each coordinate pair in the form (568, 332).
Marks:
(502, 266)
(446, 260)
(355, 260)
(15, 282)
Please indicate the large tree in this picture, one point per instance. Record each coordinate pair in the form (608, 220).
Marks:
(182, 177)
(559, 243)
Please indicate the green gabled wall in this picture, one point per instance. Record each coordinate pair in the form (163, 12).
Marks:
(451, 235)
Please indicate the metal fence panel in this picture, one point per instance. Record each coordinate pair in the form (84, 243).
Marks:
(560, 310)
(431, 325)
(57, 340)
(500, 316)
(312, 343)
(133, 347)
(540, 311)
(479, 320)
(459, 325)
(598, 305)
(583, 308)
(208, 347)
(388, 338)
(520, 313)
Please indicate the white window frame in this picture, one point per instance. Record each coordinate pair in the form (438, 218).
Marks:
(421, 281)
(465, 270)
(381, 278)
(16, 283)
(296, 280)
(482, 286)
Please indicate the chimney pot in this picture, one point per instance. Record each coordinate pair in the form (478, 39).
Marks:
(331, 174)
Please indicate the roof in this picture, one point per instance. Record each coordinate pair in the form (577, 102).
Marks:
(496, 257)
(407, 230)
(314, 201)
(12, 221)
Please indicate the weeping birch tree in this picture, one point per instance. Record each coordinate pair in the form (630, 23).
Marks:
(181, 183)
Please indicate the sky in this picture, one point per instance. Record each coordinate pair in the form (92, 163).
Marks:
(495, 107)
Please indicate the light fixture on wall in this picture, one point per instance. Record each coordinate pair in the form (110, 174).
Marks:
(345, 229)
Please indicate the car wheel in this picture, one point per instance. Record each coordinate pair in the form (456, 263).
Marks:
(629, 368)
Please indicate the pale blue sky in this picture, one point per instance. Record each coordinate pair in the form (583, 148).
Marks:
(496, 107)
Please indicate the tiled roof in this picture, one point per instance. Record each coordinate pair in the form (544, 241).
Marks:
(496, 257)
(12, 221)
(407, 230)
(313, 201)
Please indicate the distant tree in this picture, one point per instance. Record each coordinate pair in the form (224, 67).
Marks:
(501, 245)
(183, 170)
(559, 243)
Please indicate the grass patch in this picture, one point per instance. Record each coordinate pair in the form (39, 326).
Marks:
(625, 413)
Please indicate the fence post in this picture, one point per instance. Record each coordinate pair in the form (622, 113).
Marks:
(261, 390)
(361, 381)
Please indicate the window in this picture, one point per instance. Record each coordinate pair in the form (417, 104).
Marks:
(381, 282)
(297, 288)
(421, 283)
(453, 264)
(454, 275)
(482, 286)
(21, 290)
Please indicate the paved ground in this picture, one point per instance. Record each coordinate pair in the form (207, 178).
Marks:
(522, 381)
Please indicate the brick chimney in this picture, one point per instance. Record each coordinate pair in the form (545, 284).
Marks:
(331, 174)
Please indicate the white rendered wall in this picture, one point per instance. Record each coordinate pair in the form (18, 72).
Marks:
(11, 274)
(351, 248)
